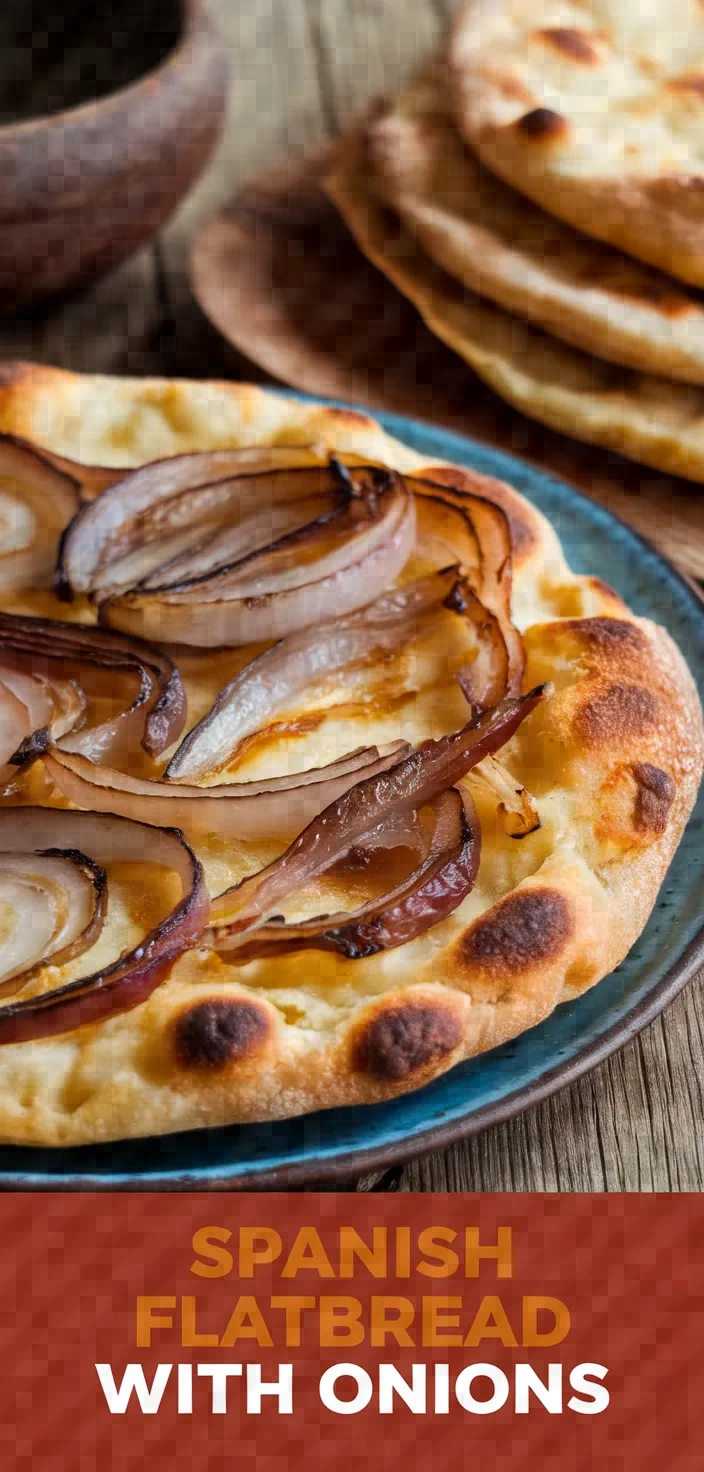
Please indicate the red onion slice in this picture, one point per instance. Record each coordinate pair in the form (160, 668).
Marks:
(415, 780)
(485, 681)
(160, 498)
(278, 807)
(157, 713)
(217, 611)
(325, 544)
(515, 806)
(53, 907)
(477, 533)
(437, 886)
(33, 711)
(37, 500)
(131, 978)
(273, 681)
(218, 549)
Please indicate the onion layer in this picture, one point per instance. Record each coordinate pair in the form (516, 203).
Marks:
(475, 533)
(273, 680)
(198, 551)
(437, 886)
(515, 806)
(53, 909)
(278, 807)
(229, 607)
(37, 499)
(156, 501)
(27, 834)
(156, 715)
(33, 710)
(370, 805)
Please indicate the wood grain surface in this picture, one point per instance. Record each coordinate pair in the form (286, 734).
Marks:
(300, 70)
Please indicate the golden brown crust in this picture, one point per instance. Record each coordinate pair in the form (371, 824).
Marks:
(496, 242)
(613, 760)
(621, 160)
(644, 417)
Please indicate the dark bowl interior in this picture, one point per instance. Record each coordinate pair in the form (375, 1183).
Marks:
(59, 54)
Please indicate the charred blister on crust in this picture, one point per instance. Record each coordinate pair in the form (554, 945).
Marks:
(526, 929)
(542, 125)
(570, 43)
(654, 798)
(402, 1039)
(609, 635)
(214, 1033)
(617, 713)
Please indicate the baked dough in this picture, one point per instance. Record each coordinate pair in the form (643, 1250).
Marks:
(649, 419)
(594, 109)
(499, 244)
(613, 760)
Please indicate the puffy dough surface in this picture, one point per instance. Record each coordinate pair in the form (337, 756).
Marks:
(613, 760)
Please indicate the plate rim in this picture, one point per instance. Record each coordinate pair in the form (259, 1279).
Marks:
(315, 1170)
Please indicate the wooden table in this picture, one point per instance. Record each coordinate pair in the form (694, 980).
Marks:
(301, 68)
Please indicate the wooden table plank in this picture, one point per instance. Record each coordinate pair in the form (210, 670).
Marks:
(299, 69)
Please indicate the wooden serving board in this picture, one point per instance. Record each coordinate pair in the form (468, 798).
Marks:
(278, 274)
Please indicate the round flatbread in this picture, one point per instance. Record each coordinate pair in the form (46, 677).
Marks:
(594, 109)
(613, 760)
(493, 240)
(650, 419)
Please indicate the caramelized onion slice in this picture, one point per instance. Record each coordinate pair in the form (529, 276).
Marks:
(53, 907)
(278, 807)
(124, 983)
(157, 713)
(476, 534)
(273, 681)
(203, 528)
(37, 500)
(330, 577)
(484, 682)
(515, 806)
(370, 805)
(157, 500)
(440, 883)
(33, 710)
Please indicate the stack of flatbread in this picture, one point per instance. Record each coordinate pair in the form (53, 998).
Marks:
(530, 191)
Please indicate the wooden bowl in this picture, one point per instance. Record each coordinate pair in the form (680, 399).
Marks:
(84, 185)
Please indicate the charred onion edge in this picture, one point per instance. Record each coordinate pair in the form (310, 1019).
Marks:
(363, 808)
(105, 649)
(440, 883)
(133, 977)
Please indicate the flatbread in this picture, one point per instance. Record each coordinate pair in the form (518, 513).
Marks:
(613, 760)
(594, 109)
(493, 240)
(650, 419)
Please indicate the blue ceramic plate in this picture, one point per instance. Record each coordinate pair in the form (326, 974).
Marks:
(339, 1143)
